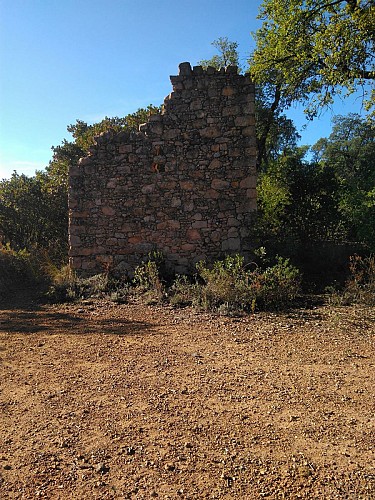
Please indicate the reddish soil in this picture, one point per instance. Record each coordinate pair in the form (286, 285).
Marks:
(100, 400)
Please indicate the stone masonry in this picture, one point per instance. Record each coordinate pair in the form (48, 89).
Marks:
(184, 184)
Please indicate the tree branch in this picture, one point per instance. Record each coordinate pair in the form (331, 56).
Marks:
(261, 142)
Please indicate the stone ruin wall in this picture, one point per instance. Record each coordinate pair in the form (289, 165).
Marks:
(184, 184)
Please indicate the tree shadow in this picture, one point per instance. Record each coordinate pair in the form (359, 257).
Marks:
(35, 320)
(22, 298)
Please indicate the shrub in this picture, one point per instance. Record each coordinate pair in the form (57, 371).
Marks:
(360, 288)
(228, 285)
(62, 288)
(279, 284)
(148, 278)
(225, 283)
(22, 269)
(68, 287)
(183, 292)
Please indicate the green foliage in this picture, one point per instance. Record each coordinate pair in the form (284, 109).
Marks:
(314, 50)
(34, 210)
(278, 285)
(275, 133)
(328, 198)
(298, 200)
(68, 287)
(349, 152)
(184, 292)
(320, 210)
(226, 282)
(228, 54)
(273, 199)
(229, 286)
(20, 269)
(34, 214)
(64, 286)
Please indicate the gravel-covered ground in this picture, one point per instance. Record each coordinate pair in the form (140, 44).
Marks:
(131, 401)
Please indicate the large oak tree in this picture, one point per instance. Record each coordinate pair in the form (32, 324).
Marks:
(316, 49)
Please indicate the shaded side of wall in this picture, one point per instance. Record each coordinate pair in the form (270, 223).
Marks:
(184, 184)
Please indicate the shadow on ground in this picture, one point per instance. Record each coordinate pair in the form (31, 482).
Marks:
(24, 313)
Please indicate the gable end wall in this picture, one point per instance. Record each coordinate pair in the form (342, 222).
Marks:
(184, 184)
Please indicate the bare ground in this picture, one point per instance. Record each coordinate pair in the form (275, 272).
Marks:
(131, 401)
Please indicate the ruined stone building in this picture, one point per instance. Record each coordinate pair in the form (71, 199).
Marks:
(184, 184)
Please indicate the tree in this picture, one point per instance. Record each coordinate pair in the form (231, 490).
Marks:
(33, 214)
(330, 197)
(349, 152)
(275, 133)
(34, 210)
(298, 200)
(315, 49)
(228, 54)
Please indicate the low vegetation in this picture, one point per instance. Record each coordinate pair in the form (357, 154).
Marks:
(20, 269)
(360, 287)
(227, 286)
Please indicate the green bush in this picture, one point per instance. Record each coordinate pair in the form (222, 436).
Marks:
(183, 292)
(20, 269)
(278, 285)
(147, 283)
(229, 286)
(63, 287)
(225, 284)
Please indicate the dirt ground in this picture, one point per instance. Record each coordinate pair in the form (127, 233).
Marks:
(100, 400)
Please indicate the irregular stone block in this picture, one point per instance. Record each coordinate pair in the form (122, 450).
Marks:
(219, 184)
(243, 121)
(248, 182)
(87, 160)
(193, 235)
(227, 91)
(149, 188)
(187, 185)
(125, 148)
(108, 211)
(198, 70)
(210, 132)
(215, 164)
(185, 69)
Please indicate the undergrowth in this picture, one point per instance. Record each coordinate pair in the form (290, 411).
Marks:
(20, 269)
(360, 287)
(228, 286)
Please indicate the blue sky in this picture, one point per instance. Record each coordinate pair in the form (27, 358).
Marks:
(62, 60)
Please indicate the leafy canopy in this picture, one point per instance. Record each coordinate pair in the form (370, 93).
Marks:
(228, 54)
(316, 49)
(34, 210)
(350, 152)
(69, 152)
